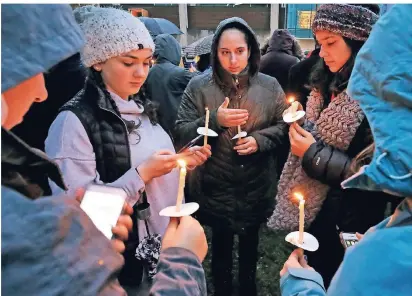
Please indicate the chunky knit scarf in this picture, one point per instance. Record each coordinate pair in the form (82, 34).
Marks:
(336, 126)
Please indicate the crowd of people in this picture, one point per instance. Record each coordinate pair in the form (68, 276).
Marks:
(114, 118)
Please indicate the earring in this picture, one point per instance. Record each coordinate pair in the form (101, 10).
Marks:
(97, 68)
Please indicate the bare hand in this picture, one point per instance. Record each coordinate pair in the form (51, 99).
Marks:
(295, 260)
(160, 163)
(300, 140)
(196, 155)
(231, 117)
(123, 227)
(359, 236)
(186, 233)
(246, 146)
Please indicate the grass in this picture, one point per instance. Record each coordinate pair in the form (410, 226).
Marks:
(273, 252)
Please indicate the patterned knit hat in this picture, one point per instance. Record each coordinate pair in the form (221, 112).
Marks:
(110, 32)
(350, 21)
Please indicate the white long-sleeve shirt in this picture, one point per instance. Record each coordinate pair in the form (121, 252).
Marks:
(69, 145)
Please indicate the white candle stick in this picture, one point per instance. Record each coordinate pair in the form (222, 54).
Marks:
(294, 106)
(181, 188)
(206, 126)
(301, 215)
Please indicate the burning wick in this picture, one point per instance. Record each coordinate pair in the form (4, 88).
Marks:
(182, 178)
(299, 196)
(294, 105)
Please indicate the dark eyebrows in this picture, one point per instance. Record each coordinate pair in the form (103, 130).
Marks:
(223, 48)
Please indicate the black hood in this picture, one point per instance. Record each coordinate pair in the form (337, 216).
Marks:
(281, 40)
(254, 59)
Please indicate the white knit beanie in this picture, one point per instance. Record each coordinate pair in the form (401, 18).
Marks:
(110, 32)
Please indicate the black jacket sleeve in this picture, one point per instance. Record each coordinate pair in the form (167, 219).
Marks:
(326, 164)
(277, 133)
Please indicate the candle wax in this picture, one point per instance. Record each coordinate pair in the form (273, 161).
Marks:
(206, 126)
(181, 188)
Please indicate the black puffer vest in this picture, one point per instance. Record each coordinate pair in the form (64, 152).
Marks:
(109, 137)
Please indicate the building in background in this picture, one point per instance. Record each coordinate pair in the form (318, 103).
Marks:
(199, 20)
(299, 23)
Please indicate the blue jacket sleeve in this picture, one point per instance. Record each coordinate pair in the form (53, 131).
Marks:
(302, 282)
(179, 273)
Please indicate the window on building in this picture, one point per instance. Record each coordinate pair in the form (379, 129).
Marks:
(300, 18)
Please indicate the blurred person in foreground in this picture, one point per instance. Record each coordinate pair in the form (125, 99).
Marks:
(44, 241)
(381, 263)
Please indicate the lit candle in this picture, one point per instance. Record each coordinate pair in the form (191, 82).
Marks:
(182, 178)
(294, 105)
(299, 196)
(206, 126)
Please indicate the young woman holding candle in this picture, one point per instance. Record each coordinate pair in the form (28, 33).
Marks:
(109, 132)
(234, 188)
(334, 132)
(381, 263)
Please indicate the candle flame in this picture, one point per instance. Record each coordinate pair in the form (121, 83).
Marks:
(291, 99)
(299, 196)
(181, 163)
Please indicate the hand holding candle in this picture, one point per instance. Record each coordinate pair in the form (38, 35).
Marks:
(294, 112)
(206, 126)
(182, 179)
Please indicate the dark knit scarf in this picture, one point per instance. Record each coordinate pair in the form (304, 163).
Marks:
(336, 126)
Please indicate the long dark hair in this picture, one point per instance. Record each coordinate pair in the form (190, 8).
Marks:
(363, 158)
(150, 108)
(326, 82)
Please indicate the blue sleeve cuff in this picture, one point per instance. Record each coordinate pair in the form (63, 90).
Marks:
(300, 281)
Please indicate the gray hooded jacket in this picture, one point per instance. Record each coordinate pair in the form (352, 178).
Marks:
(167, 81)
(49, 245)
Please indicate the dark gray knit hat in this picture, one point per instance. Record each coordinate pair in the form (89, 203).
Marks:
(350, 21)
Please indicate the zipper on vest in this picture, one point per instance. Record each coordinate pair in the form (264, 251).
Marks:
(238, 96)
(124, 124)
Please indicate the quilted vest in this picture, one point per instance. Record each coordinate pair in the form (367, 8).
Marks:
(109, 137)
